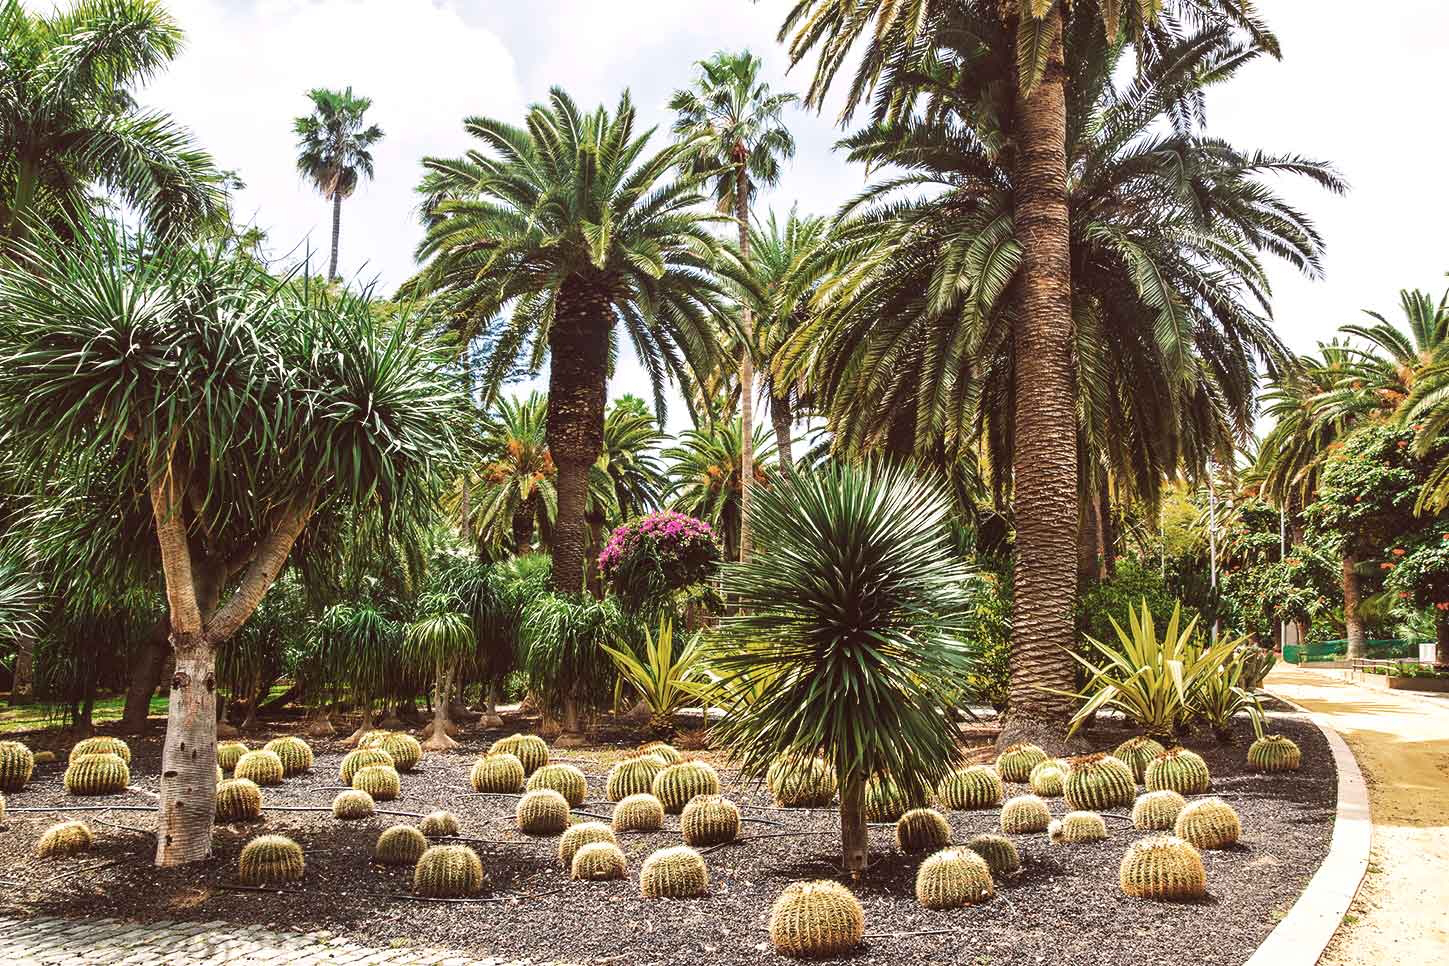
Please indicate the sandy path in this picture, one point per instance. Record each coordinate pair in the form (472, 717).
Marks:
(1401, 914)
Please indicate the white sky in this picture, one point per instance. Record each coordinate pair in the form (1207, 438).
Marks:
(1362, 90)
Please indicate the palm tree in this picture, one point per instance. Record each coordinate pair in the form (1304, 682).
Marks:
(68, 122)
(631, 458)
(515, 491)
(568, 228)
(706, 472)
(334, 150)
(732, 123)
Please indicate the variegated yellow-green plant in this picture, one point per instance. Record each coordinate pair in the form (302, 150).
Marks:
(661, 676)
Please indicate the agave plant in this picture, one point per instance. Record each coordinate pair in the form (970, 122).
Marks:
(1227, 691)
(663, 678)
(849, 632)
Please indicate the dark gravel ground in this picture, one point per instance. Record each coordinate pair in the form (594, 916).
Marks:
(1065, 906)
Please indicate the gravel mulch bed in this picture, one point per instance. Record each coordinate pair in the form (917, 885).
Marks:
(1064, 907)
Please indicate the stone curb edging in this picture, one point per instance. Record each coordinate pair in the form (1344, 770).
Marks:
(1302, 935)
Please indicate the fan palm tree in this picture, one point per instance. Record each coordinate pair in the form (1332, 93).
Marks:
(568, 227)
(334, 150)
(69, 124)
(732, 122)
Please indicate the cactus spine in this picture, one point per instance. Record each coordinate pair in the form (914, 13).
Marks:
(405, 750)
(352, 805)
(1023, 814)
(1015, 763)
(631, 777)
(262, 767)
(238, 800)
(1157, 811)
(666, 753)
(677, 784)
(354, 761)
(66, 838)
(970, 788)
(1274, 753)
(400, 845)
(269, 859)
(448, 872)
(1047, 778)
(597, 862)
(814, 919)
(439, 824)
(102, 745)
(997, 851)
(577, 836)
(922, 830)
(379, 781)
(1078, 828)
(295, 754)
(17, 764)
(638, 813)
(1098, 782)
(709, 820)
(1209, 823)
(101, 774)
(1178, 770)
(886, 801)
(801, 783)
(1162, 867)
(228, 752)
(542, 812)
(1135, 753)
(567, 780)
(499, 772)
(530, 750)
(674, 873)
(953, 878)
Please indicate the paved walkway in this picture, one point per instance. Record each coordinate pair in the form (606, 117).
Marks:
(83, 942)
(1401, 914)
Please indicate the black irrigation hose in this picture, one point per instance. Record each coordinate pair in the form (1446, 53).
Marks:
(83, 808)
(756, 838)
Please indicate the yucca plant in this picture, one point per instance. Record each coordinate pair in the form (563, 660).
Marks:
(1225, 692)
(1154, 681)
(662, 677)
(855, 613)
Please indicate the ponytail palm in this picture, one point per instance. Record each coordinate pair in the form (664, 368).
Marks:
(441, 640)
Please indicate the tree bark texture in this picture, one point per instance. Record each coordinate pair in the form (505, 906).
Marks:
(22, 690)
(1044, 461)
(1352, 620)
(146, 670)
(854, 835)
(747, 373)
(783, 421)
(336, 236)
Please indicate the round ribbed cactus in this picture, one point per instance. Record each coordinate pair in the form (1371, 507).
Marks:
(1135, 753)
(1097, 782)
(639, 813)
(709, 820)
(102, 745)
(530, 750)
(1274, 753)
(1162, 867)
(666, 753)
(598, 862)
(352, 805)
(67, 838)
(885, 801)
(17, 764)
(998, 851)
(400, 845)
(228, 752)
(1015, 763)
(815, 919)
(448, 872)
(379, 781)
(1178, 770)
(1023, 814)
(103, 774)
(677, 784)
(405, 750)
(542, 812)
(439, 824)
(1157, 811)
(631, 776)
(356, 760)
(262, 767)
(922, 830)
(41, 757)
(1208, 823)
(1048, 778)
(270, 859)
(801, 782)
(238, 800)
(953, 878)
(295, 754)
(1077, 828)
(970, 788)
(577, 836)
(499, 772)
(567, 780)
(674, 873)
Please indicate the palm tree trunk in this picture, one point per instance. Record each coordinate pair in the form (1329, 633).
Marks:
(1352, 620)
(780, 416)
(22, 690)
(854, 835)
(440, 740)
(747, 373)
(145, 676)
(336, 235)
(1044, 463)
(522, 524)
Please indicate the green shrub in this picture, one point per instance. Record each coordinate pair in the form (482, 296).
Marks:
(1136, 753)
(1015, 763)
(361, 758)
(598, 862)
(1178, 770)
(632, 776)
(1157, 811)
(1208, 823)
(1101, 602)
(674, 873)
(102, 745)
(801, 782)
(638, 813)
(922, 830)
(295, 754)
(577, 836)
(263, 767)
(66, 838)
(227, 753)
(567, 780)
(709, 820)
(542, 812)
(238, 800)
(677, 784)
(1274, 753)
(811, 920)
(1077, 828)
(380, 781)
(1024, 814)
(1098, 782)
(1162, 867)
(998, 851)
(448, 872)
(352, 805)
(99, 774)
(971, 788)
(953, 878)
(439, 824)
(17, 764)
(400, 845)
(270, 859)
(499, 772)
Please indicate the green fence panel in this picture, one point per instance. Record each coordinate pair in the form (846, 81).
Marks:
(1378, 649)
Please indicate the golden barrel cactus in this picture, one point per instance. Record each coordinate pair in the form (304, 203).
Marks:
(816, 919)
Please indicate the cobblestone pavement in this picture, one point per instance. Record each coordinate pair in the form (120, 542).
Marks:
(82, 942)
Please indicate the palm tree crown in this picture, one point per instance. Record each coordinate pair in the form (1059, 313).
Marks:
(334, 149)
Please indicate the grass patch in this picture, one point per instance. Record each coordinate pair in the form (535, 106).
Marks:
(33, 717)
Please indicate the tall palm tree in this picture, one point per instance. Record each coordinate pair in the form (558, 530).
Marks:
(569, 228)
(68, 122)
(732, 121)
(706, 472)
(334, 150)
(514, 493)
